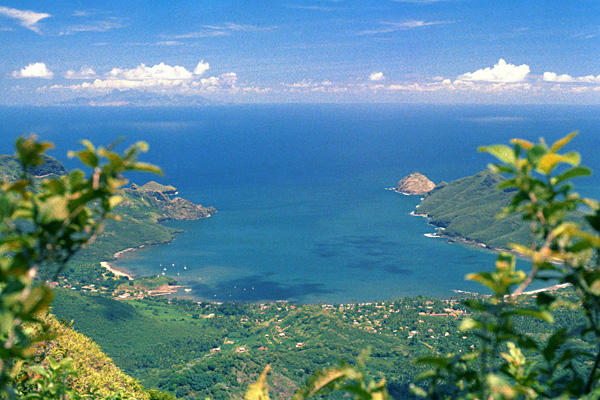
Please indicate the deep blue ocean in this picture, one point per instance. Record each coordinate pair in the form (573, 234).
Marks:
(303, 214)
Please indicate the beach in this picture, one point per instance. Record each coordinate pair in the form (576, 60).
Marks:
(106, 265)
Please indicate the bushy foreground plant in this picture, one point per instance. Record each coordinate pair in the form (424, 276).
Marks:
(507, 363)
(41, 227)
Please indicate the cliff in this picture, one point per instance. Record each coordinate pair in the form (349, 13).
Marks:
(158, 196)
(414, 183)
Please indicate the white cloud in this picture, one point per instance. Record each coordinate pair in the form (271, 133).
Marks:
(227, 80)
(27, 19)
(156, 72)
(168, 43)
(564, 78)
(201, 68)
(502, 72)
(84, 73)
(552, 77)
(389, 27)
(34, 70)
(227, 29)
(160, 77)
(95, 26)
(376, 76)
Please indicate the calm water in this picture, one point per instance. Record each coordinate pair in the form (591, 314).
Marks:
(299, 189)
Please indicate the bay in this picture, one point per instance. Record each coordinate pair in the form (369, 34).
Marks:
(303, 214)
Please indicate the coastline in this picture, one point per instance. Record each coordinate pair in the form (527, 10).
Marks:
(480, 245)
(109, 267)
(527, 293)
(460, 239)
(122, 253)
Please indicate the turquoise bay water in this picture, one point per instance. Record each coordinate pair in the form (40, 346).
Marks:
(299, 189)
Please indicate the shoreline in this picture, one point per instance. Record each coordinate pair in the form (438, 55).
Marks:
(122, 253)
(527, 293)
(109, 268)
(462, 240)
(473, 243)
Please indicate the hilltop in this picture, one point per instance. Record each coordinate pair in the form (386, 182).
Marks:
(415, 183)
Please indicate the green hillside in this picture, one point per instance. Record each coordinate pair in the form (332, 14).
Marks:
(10, 168)
(96, 372)
(216, 350)
(137, 223)
(467, 208)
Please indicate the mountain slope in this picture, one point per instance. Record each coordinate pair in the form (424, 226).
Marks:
(467, 208)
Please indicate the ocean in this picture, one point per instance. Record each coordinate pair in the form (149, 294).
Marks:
(303, 214)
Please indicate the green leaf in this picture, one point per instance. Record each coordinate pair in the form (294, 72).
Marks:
(523, 143)
(554, 342)
(571, 173)
(417, 391)
(53, 209)
(437, 362)
(501, 152)
(508, 183)
(536, 153)
(594, 220)
(548, 162)
(544, 298)
(468, 324)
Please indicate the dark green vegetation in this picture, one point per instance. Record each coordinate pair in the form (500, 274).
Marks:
(467, 208)
(11, 169)
(217, 350)
(506, 346)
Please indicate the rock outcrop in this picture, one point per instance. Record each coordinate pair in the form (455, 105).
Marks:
(158, 196)
(415, 183)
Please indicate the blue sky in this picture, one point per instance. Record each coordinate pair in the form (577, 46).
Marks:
(444, 51)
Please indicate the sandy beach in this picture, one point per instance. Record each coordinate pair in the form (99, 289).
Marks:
(114, 271)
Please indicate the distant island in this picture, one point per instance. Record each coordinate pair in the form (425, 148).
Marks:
(137, 98)
(414, 184)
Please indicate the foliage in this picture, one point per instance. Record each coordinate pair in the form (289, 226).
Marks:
(41, 228)
(507, 363)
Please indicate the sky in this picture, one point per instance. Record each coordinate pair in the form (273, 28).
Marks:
(326, 51)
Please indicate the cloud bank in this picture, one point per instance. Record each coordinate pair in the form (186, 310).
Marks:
(158, 77)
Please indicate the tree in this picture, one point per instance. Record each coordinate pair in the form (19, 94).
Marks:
(41, 227)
